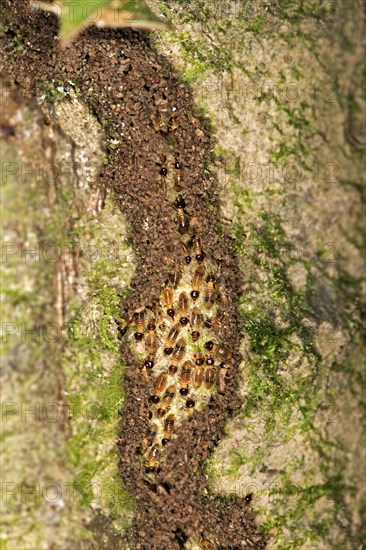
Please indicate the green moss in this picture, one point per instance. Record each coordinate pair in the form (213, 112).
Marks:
(273, 315)
(257, 26)
(95, 379)
(194, 73)
(95, 370)
(16, 43)
(55, 91)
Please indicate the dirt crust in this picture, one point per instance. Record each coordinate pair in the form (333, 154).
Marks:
(144, 110)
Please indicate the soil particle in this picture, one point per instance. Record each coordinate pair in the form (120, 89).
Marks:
(145, 111)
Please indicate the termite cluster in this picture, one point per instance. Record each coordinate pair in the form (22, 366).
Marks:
(178, 343)
(177, 340)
